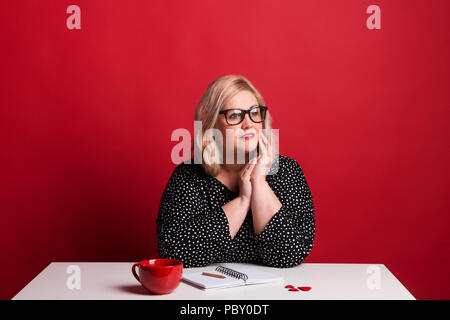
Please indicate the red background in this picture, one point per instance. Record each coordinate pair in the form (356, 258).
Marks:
(87, 115)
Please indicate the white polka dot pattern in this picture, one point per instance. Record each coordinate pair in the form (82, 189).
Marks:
(192, 226)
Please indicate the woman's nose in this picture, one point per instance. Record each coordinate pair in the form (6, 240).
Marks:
(247, 122)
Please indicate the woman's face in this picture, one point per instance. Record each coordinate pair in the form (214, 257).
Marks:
(242, 141)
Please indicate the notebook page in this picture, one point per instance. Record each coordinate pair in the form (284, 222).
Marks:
(206, 282)
(256, 275)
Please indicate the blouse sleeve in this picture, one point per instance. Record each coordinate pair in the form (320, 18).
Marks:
(288, 237)
(187, 228)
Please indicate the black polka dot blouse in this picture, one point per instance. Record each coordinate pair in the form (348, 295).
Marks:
(192, 226)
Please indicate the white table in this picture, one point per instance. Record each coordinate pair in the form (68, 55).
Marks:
(115, 281)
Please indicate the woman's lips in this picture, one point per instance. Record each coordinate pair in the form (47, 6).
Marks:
(248, 136)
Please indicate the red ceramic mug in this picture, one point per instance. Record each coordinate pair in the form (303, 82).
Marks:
(159, 276)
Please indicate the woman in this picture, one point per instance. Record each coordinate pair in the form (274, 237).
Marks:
(230, 211)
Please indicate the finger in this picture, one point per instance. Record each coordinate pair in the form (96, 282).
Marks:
(264, 150)
(251, 165)
(261, 139)
(269, 145)
(246, 168)
(254, 159)
(265, 156)
(262, 144)
(250, 169)
(265, 139)
(269, 148)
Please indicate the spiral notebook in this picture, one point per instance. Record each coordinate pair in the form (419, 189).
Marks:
(233, 277)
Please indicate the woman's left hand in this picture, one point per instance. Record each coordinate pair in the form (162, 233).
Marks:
(265, 159)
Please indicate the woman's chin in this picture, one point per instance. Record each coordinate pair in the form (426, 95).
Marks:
(247, 150)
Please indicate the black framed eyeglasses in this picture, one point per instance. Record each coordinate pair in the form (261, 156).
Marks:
(235, 116)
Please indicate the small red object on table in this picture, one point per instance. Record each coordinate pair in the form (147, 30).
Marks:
(304, 288)
(289, 286)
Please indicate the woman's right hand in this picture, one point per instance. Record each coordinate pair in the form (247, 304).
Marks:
(245, 185)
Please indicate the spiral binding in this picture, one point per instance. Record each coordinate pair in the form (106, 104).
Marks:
(232, 273)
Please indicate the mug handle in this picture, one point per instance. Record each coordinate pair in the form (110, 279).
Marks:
(133, 269)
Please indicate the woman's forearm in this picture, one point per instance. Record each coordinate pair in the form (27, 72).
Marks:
(236, 210)
(264, 204)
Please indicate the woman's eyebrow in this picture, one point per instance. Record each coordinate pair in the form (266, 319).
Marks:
(255, 105)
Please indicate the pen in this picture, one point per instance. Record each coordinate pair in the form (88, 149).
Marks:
(213, 275)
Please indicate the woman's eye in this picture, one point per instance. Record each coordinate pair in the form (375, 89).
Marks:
(234, 115)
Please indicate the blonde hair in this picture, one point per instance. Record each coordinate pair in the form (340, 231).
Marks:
(216, 96)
